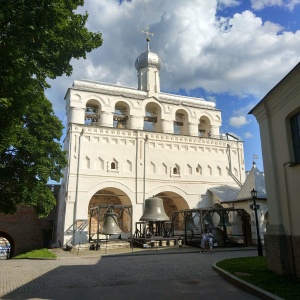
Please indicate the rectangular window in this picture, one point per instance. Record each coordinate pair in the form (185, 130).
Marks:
(295, 126)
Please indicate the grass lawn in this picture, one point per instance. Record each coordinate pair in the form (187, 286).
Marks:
(254, 271)
(40, 253)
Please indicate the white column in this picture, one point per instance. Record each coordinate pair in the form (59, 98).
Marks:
(136, 122)
(106, 119)
(76, 115)
(214, 131)
(167, 126)
(193, 129)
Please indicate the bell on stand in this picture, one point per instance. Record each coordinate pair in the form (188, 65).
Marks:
(224, 220)
(189, 223)
(155, 215)
(207, 221)
(110, 224)
(154, 211)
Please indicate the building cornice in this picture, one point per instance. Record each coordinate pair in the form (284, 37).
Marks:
(153, 136)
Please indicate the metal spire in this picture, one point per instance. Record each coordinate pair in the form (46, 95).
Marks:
(255, 156)
(148, 39)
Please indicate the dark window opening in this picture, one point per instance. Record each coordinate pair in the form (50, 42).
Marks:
(295, 127)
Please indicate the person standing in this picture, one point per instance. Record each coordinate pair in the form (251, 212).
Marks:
(210, 238)
(203, 241)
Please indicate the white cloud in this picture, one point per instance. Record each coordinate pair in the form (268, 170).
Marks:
(261, 4)
(238, 121)
(248, 135)
(228, 3)
(291, 4)
(242, 111)
(241, 55)
(239, 117)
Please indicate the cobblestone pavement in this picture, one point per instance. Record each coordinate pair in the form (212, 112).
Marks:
(78, 277)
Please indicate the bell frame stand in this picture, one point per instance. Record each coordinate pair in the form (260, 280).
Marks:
(155, 234)
(95, 212)
(193, 237)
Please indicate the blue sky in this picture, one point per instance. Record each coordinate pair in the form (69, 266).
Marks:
(231, 52)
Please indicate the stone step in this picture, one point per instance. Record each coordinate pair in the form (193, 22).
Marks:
(103, 245)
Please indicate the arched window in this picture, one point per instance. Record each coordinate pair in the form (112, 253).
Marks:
(199, 169)
(113, 166)
(175, 170)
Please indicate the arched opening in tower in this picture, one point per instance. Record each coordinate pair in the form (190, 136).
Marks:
(121, 115)
(204, 127)
(92, 112)
(104, 200)
(152, 118)
(181, 122)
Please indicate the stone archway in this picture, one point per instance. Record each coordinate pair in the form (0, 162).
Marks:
(109, 197)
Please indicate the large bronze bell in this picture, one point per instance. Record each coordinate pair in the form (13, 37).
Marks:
(189, 223)
(154, 211)
(208, 221)
(110, 224)
(224, 220)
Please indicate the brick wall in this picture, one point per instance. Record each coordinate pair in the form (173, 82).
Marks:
(283, 254)
(25, 229)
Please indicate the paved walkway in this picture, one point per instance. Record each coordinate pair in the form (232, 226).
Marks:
(163, 274)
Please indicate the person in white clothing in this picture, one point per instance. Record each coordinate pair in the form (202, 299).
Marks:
(203, 241)
(210, 241)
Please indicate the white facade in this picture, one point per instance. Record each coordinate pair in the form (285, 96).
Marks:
(125, 145)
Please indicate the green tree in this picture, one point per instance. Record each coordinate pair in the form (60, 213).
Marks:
(38, 38)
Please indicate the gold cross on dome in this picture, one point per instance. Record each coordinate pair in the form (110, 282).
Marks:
(147, 32)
